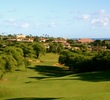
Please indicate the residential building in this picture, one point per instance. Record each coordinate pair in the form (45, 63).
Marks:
(20, 36)
(85, 40)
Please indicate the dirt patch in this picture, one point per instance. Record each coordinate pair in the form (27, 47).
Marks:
(35, 61)
(58, 64)
(4, 80)
(38, 61)
(30, 60)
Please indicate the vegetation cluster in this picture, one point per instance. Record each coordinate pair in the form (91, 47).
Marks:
(78, 57)
(85, 63)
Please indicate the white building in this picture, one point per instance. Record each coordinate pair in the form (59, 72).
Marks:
(20, 36)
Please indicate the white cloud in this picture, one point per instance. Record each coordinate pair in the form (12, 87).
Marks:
(25, 25)
(85, 16)
(103, 20)
(16, 23)
(11, 21)
(99, 18)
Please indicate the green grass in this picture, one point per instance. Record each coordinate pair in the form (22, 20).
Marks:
(46, 80)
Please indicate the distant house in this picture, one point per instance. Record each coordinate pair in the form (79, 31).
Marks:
(85, 40)
(28, 40)
(24, 39)
(43, 39)
(60, 40)
(63, 41)
(67, 45)
(46, 45)
(20, 36)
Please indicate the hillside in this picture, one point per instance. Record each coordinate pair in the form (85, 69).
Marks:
(45, 79)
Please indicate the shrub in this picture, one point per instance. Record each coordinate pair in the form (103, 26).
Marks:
(84, 63)
(102, 60)
(10, 63)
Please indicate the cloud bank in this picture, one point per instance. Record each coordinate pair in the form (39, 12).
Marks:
(99, 18)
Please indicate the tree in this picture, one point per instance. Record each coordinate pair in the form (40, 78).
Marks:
(102, 60)
(64, 56)
(8, 64)
(27, 49)
(98, 43)
(71, 41)
(55, 47)
(39, 49)
(75, 62)
(16, 53)
(2, 67)
(36, 39)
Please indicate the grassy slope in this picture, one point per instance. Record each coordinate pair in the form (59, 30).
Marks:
(45, 83)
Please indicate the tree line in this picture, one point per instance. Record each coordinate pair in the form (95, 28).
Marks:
(85, 62)
(13, 55)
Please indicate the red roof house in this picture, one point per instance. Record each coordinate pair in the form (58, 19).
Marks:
(85, 40)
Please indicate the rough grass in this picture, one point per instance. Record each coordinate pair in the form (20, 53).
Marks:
(47, 80)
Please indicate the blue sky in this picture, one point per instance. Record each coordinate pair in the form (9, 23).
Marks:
(57, 18)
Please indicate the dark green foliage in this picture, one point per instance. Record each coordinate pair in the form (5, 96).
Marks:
(71, 41)
(107, 43)
(55, 47)
(84, 63)
(39, 49)
(16, 53)
(102, 60)
(64, 56)
(27, 49)
(98, 43)
(7, 64)
(12, 59)
(10, 63)
(2, 67)
(36, 39)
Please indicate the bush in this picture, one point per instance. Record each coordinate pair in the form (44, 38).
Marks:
(75, 62)
(2, 67)
(84, 63)
(78, 63)
(16, 53)
(64, 56)
(10, 63)
(102, 60)
(55, 47)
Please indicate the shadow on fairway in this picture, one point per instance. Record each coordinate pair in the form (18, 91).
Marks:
(32, 98)
(56, 72)
(49, 71)
(94, 76)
